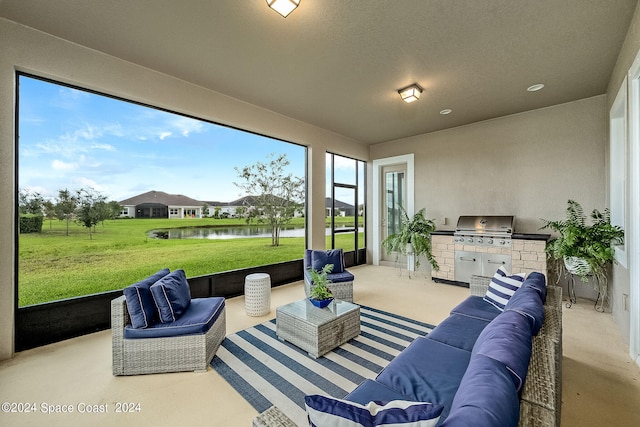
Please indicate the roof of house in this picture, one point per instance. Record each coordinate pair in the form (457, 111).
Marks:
(338, 204)
(162, 198)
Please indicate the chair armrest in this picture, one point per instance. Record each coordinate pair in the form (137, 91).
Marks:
(478, 285)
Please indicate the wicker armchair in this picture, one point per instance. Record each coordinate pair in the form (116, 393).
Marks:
(341, 285)
(158, 355)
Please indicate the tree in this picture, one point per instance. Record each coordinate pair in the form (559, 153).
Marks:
(66, 206)
(30, 203)
(275, 195)
(91, 208)
(49, 211)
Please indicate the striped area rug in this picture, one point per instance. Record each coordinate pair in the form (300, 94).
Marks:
(267, 371)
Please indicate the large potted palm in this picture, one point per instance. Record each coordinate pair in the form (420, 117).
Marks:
(412, 237)
(584, 249)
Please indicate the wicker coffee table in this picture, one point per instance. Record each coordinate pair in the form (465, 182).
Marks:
(317, 330)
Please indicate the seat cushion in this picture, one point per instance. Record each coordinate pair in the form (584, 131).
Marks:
(198, 319)
(507, 339)
(476, 307)
(426, 371)
(502, 287)
(370, 390)
(486, 397)
(140, 304)
(458, 331)
(172, 296)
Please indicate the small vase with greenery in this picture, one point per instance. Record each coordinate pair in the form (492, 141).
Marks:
(320, 295)
(584, 249)
(415, 231)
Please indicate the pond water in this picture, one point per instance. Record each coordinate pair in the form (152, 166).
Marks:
(238, 232)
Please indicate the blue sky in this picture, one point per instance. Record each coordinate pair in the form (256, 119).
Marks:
(74, 139)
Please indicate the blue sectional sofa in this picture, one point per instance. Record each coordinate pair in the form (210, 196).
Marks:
(486, 365)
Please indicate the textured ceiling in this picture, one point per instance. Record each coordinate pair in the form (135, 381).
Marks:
(338, 64)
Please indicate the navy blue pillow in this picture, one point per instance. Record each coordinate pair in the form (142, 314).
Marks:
(507, 339)
(172, 296)
(486, 396)
(140, 303)
(321, 258)
(538, 282)
(527, 302)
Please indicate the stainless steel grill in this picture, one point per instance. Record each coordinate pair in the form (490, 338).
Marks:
(474, 236)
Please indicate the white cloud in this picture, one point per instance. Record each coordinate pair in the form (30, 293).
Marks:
(63, 166)
(186, 125)
(164, 135)
(106, 147)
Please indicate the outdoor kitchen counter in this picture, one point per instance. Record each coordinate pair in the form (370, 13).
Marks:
(527, 254)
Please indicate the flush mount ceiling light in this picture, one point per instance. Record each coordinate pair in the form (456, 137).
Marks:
(446, 111)
(410, 93)
(535, 87)
(283, 7)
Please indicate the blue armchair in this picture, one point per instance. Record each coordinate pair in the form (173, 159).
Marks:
(341, 280)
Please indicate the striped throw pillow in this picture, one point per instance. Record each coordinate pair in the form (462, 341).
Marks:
(328, 411)
(502, 287)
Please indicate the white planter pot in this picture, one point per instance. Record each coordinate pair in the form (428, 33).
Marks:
(577, 266)
(411, 258)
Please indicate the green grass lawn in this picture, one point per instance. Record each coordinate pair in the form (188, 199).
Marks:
(54, 266)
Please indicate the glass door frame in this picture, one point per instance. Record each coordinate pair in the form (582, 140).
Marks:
(379, 201)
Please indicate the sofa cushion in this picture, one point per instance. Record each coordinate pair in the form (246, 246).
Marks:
(426, 371)
(321, 258)
(328, 411)
(538, 282)
(527, 302)
(507, 339)
(486, 397)
(172, 296)
(458, 331)
(370, 390)
(477, 308)
(140, 304)
(201, 314)
(502, 287)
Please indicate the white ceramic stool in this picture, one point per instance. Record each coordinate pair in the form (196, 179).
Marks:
(257, 294)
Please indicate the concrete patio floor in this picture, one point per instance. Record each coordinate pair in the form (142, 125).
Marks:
(601, 384)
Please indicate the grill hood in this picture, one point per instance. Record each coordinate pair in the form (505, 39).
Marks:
(485, 225)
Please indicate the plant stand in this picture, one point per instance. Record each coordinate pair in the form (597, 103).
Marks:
(572, 294)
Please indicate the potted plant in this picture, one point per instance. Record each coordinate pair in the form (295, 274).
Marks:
(320, 295)
(584, 249)
(413, 236)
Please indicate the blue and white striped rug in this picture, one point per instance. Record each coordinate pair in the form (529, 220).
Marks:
(267, 371)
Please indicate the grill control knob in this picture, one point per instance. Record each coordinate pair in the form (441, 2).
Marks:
(480, 240)
(490, 241)
(502, 242)
(470, 240)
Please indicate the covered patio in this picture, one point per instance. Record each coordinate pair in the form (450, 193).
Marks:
(600, 382)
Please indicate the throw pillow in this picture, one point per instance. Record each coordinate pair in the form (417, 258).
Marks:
(334, 256)
(172, 296)
(140, 304)
(327, 411)
(502, 287)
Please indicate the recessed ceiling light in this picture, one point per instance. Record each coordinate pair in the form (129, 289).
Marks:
(535, 87)
(446, 111)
